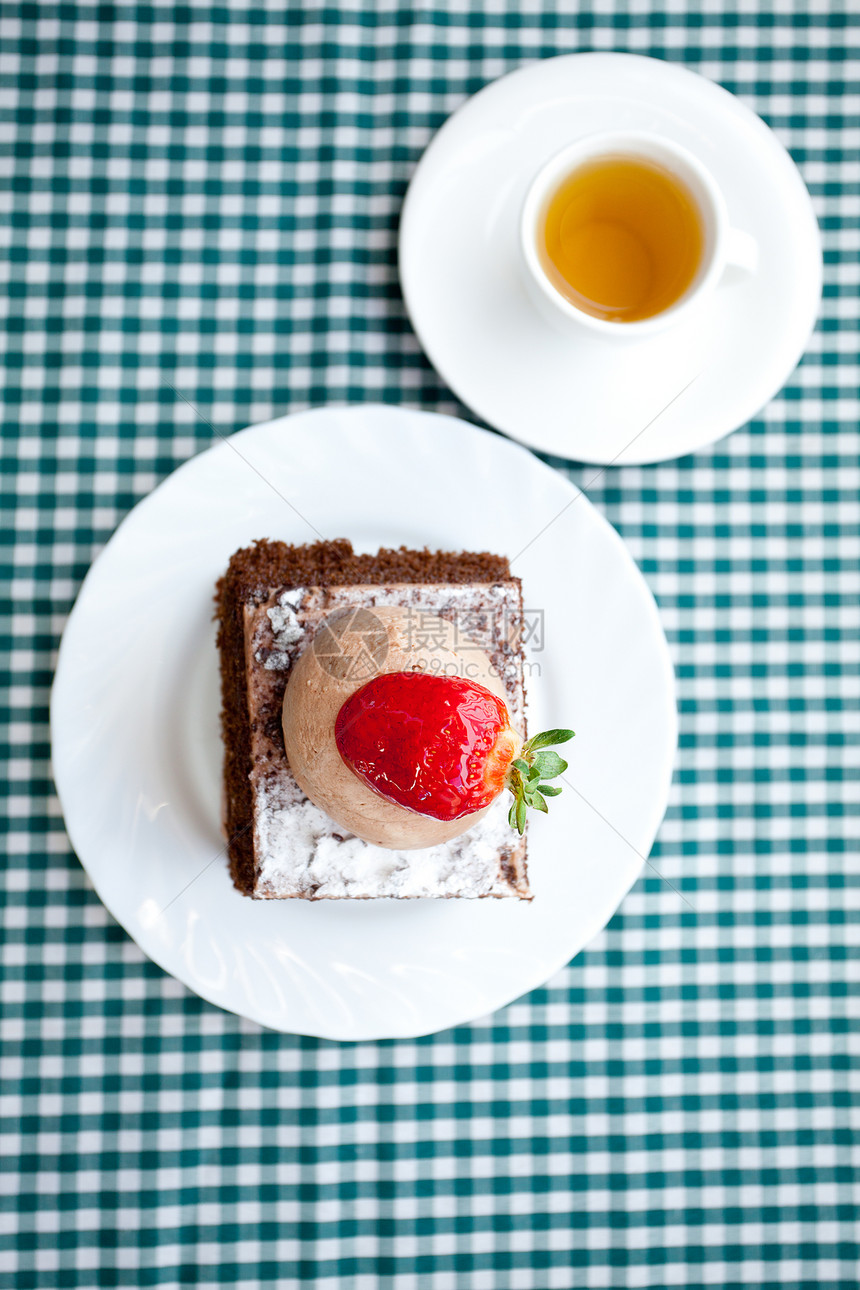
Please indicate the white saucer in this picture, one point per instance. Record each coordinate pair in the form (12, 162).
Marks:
(587, 399)
(137, 751)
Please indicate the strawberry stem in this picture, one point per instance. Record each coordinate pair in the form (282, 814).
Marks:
(527, 773)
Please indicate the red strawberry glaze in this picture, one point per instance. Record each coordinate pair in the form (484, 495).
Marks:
(438, 745)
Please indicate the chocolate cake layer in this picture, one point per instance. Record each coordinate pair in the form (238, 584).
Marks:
(269, 603)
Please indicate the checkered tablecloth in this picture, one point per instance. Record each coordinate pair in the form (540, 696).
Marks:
(205, 199)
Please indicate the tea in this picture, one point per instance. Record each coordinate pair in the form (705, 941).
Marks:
(623, 238)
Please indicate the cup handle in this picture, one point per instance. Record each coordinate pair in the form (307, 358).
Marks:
(741, 256)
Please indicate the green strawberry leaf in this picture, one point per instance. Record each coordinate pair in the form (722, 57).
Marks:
(527, 773)
(547, 739)
(550, 765)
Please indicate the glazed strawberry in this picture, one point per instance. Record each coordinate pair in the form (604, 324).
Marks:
(443, 746)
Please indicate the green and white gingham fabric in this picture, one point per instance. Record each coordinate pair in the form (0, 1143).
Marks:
(205, 199)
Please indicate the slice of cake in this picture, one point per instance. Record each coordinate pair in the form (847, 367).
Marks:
(277, 601)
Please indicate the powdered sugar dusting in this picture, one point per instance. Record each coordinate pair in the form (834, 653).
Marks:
(300, 851)
(286, 629)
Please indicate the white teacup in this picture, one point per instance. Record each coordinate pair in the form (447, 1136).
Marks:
(724, 248)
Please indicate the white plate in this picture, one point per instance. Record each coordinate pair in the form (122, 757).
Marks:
(590, 399)
(137, 754)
